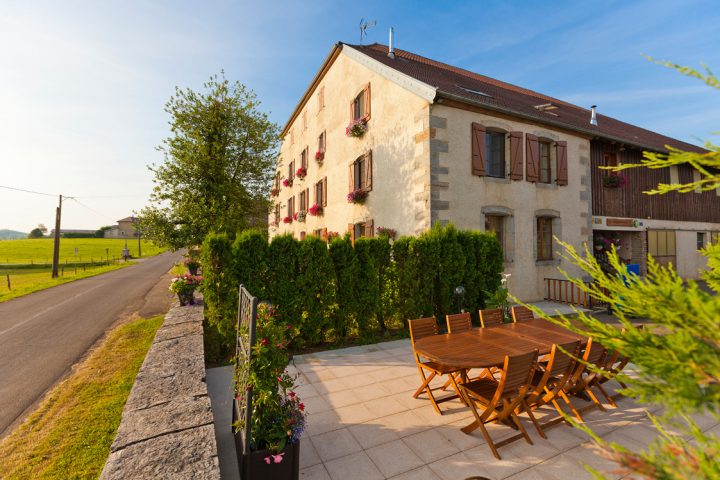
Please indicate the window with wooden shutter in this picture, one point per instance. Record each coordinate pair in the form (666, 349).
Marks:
(361, 171)
(321, 143)
(544, 238)
(324, 192)
(301, 198)
(291, 170)
(516, 156)
(369, 227)
(544, 161)
(307, 198)
(495, 154)
(351, 231)
(478, 149)
(368, 167)
(531, 158)
(562, 165)
(302, 235)
(304, 158)
(360, 106)
(321, 98)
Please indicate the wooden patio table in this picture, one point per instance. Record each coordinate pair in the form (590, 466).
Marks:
(487, 347)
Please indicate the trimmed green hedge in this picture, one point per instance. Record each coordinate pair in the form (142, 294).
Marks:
(336, 291)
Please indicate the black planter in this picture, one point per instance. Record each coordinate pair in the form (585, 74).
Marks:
(253, 466)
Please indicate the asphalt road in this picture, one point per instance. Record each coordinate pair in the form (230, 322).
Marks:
(43, 334)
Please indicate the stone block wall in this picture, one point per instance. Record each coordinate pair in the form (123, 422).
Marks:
(167, 425)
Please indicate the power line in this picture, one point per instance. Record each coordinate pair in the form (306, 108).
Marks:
(92, 210)
(68, 196)
(29, 191)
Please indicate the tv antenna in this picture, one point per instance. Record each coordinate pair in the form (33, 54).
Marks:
(364, 25)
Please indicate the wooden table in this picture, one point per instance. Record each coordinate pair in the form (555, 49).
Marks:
(487, 347)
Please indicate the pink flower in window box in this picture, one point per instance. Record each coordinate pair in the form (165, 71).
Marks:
(287, 182)
(301, 172)
(357, 196)
(319, 156)
(287, 220)
(315, 210)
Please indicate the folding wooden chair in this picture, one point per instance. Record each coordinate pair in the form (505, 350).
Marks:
(491, 317)
(501, 399)
(582, 378)
(614, 364)
(548, 384)
(458, 322)
(522, 314)
(421, 328)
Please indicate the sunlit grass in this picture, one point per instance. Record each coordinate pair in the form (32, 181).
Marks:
(40, 250)
(70, 434)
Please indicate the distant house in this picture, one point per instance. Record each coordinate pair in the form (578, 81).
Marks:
(125, 228)
(73, 233)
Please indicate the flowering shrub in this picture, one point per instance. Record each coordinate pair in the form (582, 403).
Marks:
(319, 156)
(315, 210)
(386, 232)
(357, 196)
(185, 283)
(614, 180)
(287, 220)
(287, 182)
(300, 215)
(278, 416)
(356, 129)
(301, 172)
(274, 191)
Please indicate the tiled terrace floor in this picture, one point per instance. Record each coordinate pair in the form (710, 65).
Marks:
(364, 424)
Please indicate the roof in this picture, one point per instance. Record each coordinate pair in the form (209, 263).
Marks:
(128, 219)
(471, 88)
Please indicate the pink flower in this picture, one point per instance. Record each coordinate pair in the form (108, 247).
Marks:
(291, 394)
(264, 342)
(275, 458)
(280, 379)
(301, 407)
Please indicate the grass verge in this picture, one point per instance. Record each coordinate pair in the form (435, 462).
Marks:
(70, 434)
(25, 281)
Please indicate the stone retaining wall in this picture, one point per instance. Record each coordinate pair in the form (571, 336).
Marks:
(167, 424)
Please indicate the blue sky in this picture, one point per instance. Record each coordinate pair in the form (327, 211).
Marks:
(83, 83)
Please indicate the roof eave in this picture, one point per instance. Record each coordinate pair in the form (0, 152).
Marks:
(586, 131)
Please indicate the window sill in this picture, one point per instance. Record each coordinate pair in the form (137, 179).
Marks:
(547, 186)
(497, 179)
(547, 263)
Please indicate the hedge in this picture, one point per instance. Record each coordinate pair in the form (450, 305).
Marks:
(340, 290)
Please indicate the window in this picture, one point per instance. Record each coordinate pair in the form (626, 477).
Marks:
(495, 145)
(321, 143)
(360, 106)
(303, 158)
(661, 243)
(302, 197)
(361, 173)
(302, 235)
(494, 224)
(363, 229)
(291, 207)
(291, 170)
(700, 240)
(318, 232)
(321, 98)
(545, 164)
(321, 192)
(544, 238)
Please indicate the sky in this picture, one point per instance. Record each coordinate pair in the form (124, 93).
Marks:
(83, 84)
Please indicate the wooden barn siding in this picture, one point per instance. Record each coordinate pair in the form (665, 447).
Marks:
(630, 202)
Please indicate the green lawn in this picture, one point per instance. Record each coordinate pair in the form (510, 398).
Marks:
(70, 434)
(24, 281)
(40, 250)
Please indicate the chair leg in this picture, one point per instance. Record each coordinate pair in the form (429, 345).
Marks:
(594, 399)
(572, 408)
(521, 428)
(426, 382)
(608, 397)
(534, 420)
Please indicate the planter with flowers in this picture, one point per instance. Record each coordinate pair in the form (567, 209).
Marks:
(275, 191)
(301, 172)
(356, 129)
(277, 418)
(386, 232)
(357, 196)
(288, 220)
(315, 210)
(287, 182)
(184, 286)
(300, 216)
(192, 265)
(319, 156)
(614, 180)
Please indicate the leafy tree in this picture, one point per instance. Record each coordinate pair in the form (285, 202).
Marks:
(35, 233)
(677, 355)
(217, 168)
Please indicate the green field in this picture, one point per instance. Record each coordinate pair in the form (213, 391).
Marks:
(72, 250)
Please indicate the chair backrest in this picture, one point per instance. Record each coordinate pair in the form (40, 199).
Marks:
(458, 322)
(594, 355)
(558, 371)
(517, 373)
(422, 327)
(522, 314)
(491, 317)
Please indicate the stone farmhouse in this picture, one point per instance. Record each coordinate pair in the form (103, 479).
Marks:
(422, 142)
(125, 228)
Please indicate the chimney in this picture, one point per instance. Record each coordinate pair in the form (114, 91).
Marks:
(391, 52)
(593, 115)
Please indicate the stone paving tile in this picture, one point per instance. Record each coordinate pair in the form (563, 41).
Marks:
(383, 407)
(355, 466)
(316, 472)
(308, 454)
(353, 414)
(430, 445)
(371, 434)
(394, 458)
(422, 473)
(335, 444)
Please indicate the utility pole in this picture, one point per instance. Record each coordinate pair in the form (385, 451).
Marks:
(56, 251)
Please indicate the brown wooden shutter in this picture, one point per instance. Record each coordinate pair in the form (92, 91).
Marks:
(307, 157)
(369, 228)
(532, 158)
(302, 235)
(351, 177)
(562, 166)
(307, 198)
(367, 102)
(368, 171)
(324, 192)
(351, 231)
(516, 156)
(479, 150)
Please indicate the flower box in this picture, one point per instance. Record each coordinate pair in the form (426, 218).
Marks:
(301, 172)
(287, 182)
(356, 129)
(319, 156)
(184, 286)
(614, 180)
(287, 220)
(386, 232)
(300, 216)
(357, 196)
(275, 191)
(315, 210)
